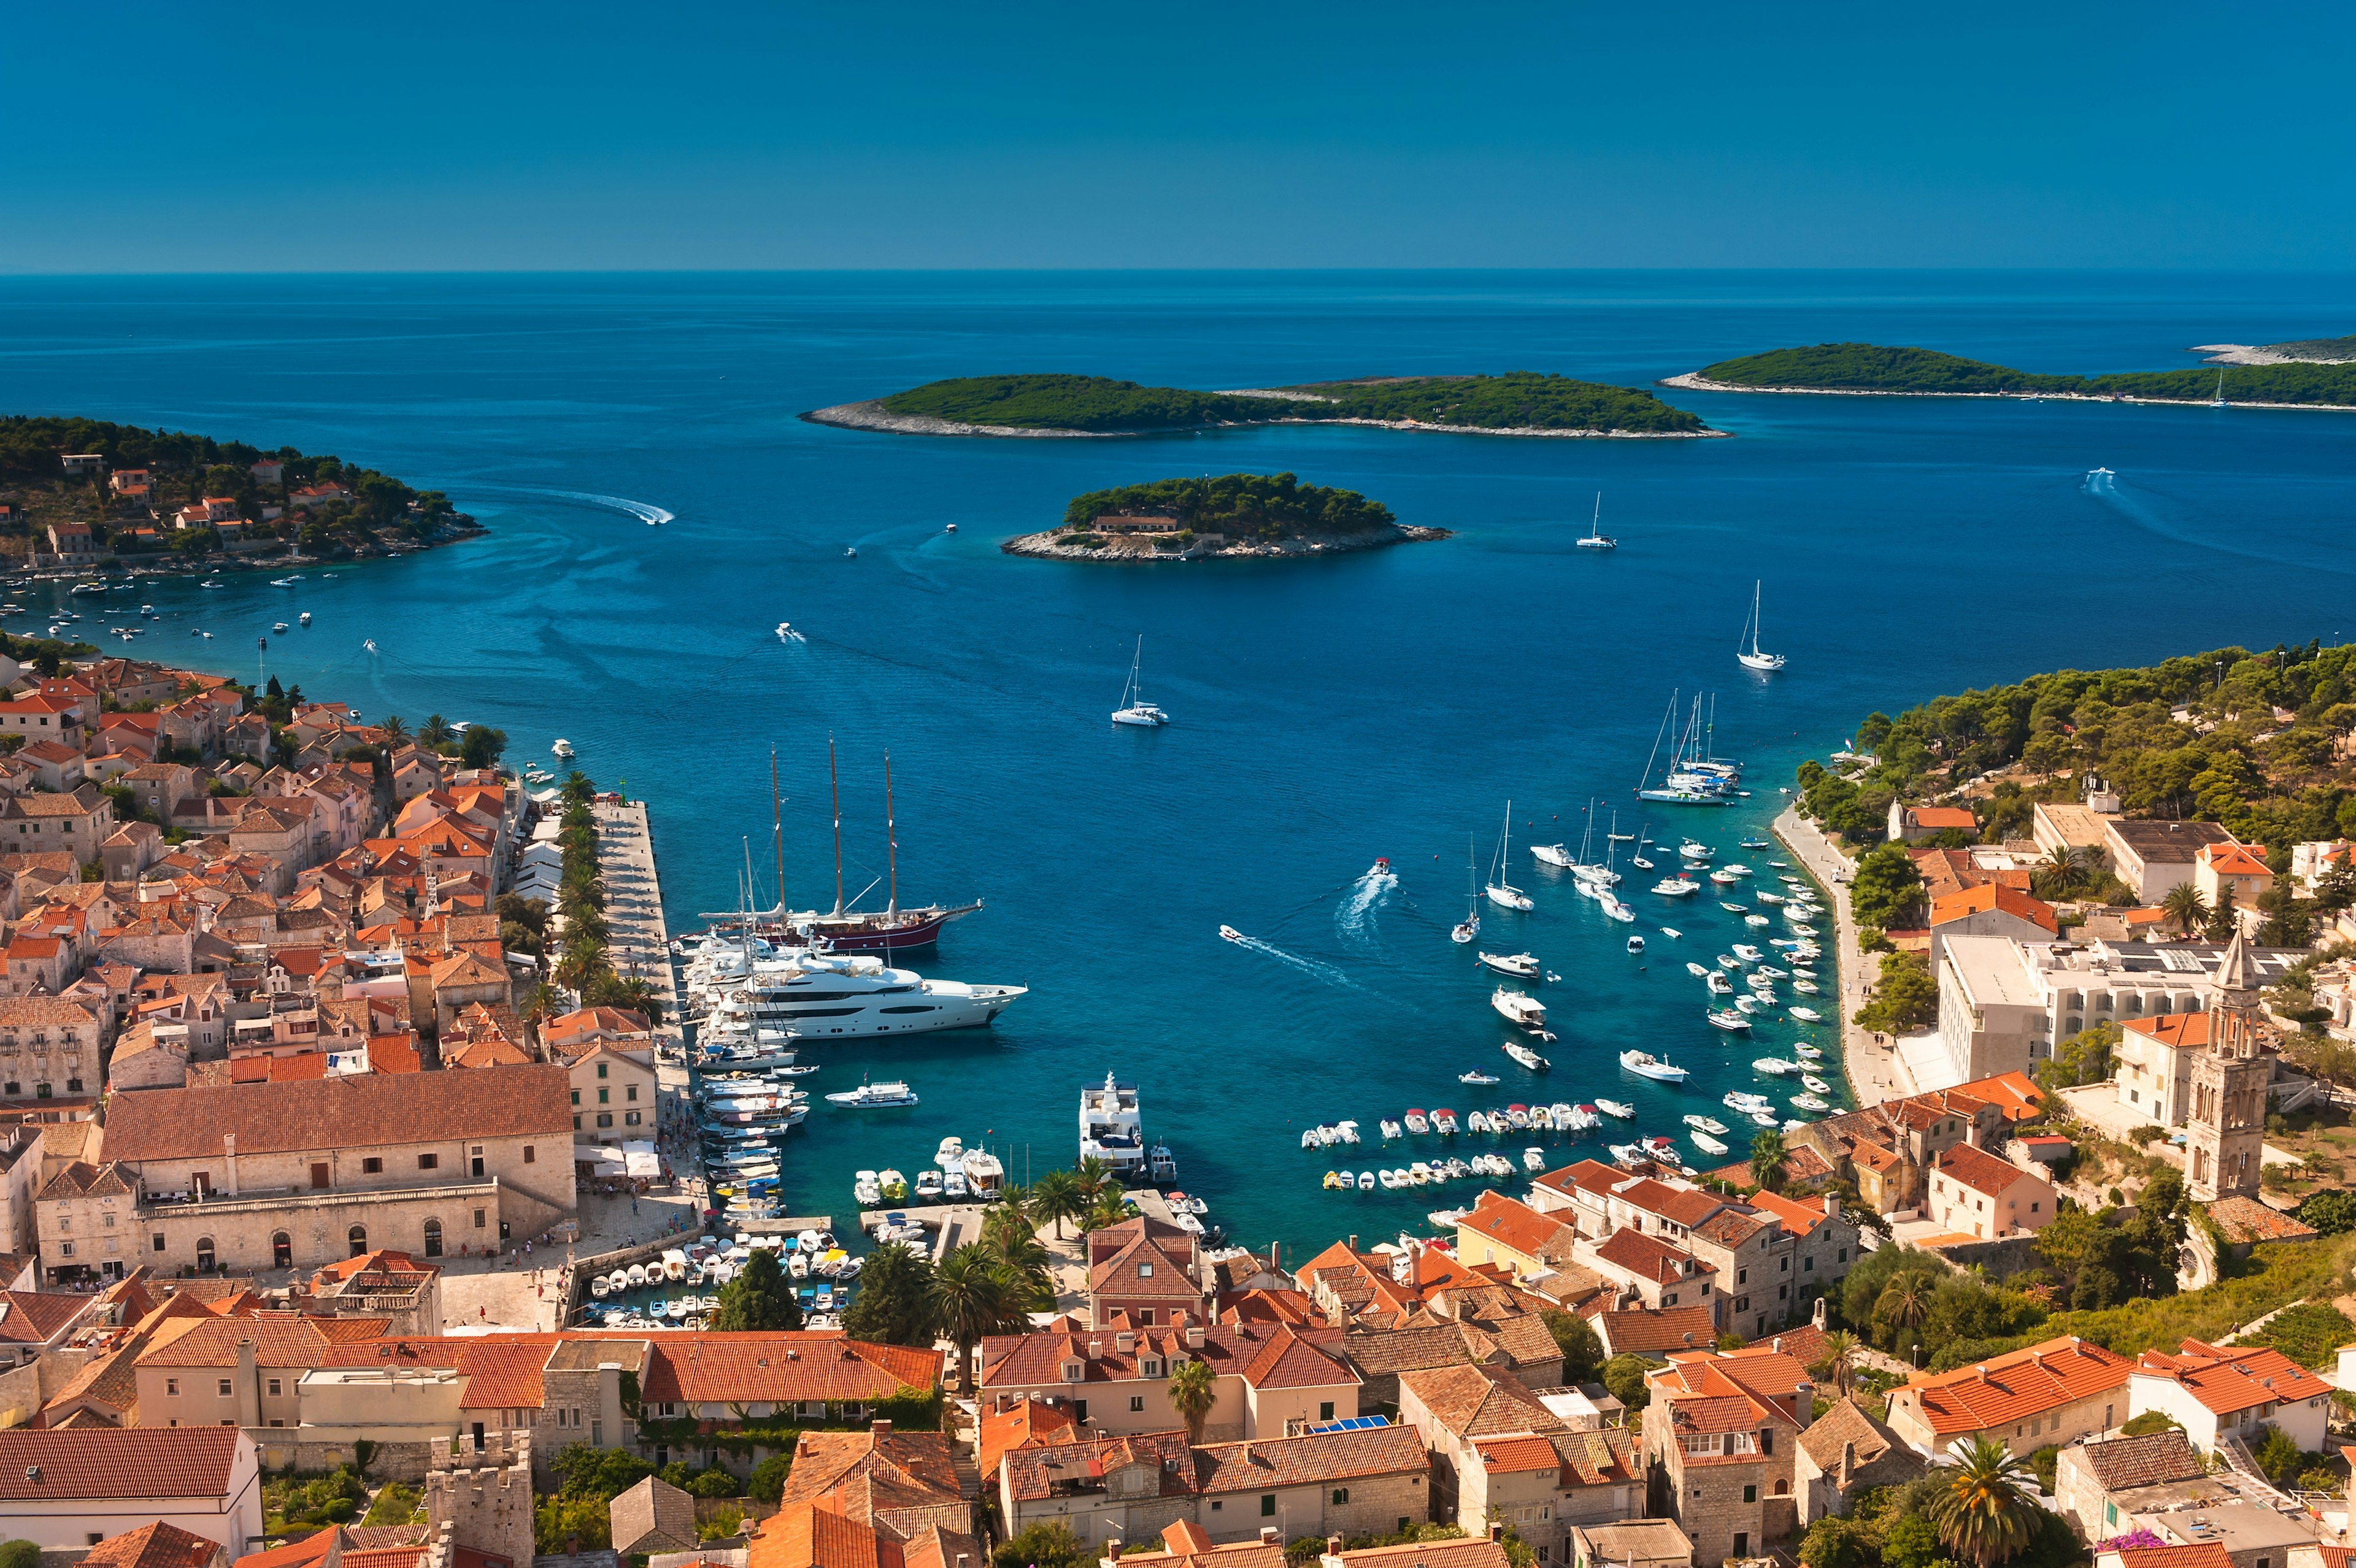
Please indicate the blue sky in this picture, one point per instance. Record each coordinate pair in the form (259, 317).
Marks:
(152, 137)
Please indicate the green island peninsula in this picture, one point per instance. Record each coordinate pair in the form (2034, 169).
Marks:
(1233, 515)
(2307, 350)
(1520, 402)
(1868, 369)
(78, 493)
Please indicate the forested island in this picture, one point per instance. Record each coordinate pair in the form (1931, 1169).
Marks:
(1233, 515)
(2312, 350)
(153, 496)
(1519, 402)
(1875, 369)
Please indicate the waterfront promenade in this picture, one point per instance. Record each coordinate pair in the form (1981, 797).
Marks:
(1876, 1070)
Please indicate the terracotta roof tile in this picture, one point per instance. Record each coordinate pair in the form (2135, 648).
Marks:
(156, 1545)
(140, 1463)
(2229, 1379)
(2006, 1390)
(363, 1110)
(1982, 1171)
(2145, 1461)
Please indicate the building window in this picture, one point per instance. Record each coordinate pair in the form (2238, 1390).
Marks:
(275, 1387)
(601, 1070)
(432, 1238)
(605, 1096)
(631, 1093)
(1145, 1271)
(1325, 1410)
(1137, 1401)
(1807, 1266)
(526, 1154)
(159, 1244)
(604, 1119)
(204, 1255)
(372, 1164)
(576, 1096)
(1341, 1494)
(172, 1387)
(478, 1219)
(226, 1387)
(1268, 1505)
(358, 1237)
(428, 1161)
(282, 1250)
(630, 1119)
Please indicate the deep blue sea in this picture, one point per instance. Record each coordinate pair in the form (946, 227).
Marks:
(1325, 712)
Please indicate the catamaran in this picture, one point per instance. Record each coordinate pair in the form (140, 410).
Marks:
(1754, 659)
(1595, 539)
(1503, 894)
(1134, 708)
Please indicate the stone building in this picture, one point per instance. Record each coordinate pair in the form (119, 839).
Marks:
(304, 1173)
(478, 1501)
(2225, 1131)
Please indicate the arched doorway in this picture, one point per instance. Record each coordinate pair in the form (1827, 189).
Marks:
(432, 1238)
(359, 1239)
(282, 1250)
(204, 1255)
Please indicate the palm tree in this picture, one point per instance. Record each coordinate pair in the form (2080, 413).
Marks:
(1767, 1159)
(974, 1295)
(577, 789)
(395, 726)
(1905, 1300)
(1026, 1257)
(1108, 1209)
(1194, 1390)
(436, 729)
(1980, 1513)
(1004, 1223)
(1093, 1175)
(1057, 1197)
(2185, 908)
(2062, 871)
(1839, 1365)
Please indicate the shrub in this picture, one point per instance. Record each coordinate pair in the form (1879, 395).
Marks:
(2150, 1422)
(19, 1554)
(2145, 1134)
(768, 1484)
(1625, 1376)
(715, 1482)
(2308, 1333)
(1050, 1545)
(720, 1526)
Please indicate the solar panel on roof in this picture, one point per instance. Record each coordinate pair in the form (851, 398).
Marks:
(1349, 1424)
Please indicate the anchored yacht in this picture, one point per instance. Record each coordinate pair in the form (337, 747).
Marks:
(826, 997)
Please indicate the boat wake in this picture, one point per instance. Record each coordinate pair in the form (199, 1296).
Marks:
(645, 511)
(1310, 966)
(1357, 920)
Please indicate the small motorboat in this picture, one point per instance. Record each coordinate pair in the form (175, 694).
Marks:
(1808, 1015)
(305, 618)
(1816, 1085)
(278, 626)
(1229, 934)
(1777, 1066)
(1417, 1122)
(1444, 1122)
(1635, 945)
(1534, 1159)
(850, 552)
(1692, 851)
(562, 747)
(1619, 1108)
(1699, 971)
(1366, 1181)
(1672, 932)
(1706, 1124)
(1477, 1076)
(1705, 1142)
(1810, 1102)
(1519, 1009)
(1732, 1022)
(1720, 986)
(1479, 1122)
(1521, 965)
(1806, 988)
(1390, 1129)
(1728, 961)
(1644, 1064)
(1525, 1056)
(1747, 952)
(1733, 907)
(1675, 887)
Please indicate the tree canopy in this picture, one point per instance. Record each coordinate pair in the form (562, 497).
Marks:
(1519, 399)
(1272, 506)
(1875, 367)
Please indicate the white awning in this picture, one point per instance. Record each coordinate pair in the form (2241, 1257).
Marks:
(642, 1160)
(593, 1154)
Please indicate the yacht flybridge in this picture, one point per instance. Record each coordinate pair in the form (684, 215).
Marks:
(1112, 1130)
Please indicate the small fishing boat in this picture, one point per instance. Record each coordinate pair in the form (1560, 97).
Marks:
(1523, 965)
(1810, 1102)
(1808, 1015)
(1675, 887)
(1525, 1055)
(1672, 932)
(1690, 851)
(1699, 971)
(1533, 1159)
(1746, 1005)
(1619, 1108)
(562, 747)
(1444, 1122)
(1366, 1181)
(1720, 986)
(1730, 1021)
(1706, 1124)
(1644, 1064)
(1229, 934)
(1477, 1076)
(1776, 1066)
(1390, 1129)
(1747, 952)
(1635, 945)
(1754, 921)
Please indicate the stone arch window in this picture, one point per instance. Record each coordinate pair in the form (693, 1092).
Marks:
(1782, 1488)
(432, 1238)
(204, 1255)
(282, 1250)
(358, 1237)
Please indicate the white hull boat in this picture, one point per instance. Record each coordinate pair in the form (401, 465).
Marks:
(1644, 1064)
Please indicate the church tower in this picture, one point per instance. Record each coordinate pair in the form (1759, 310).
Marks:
(2229, 1087)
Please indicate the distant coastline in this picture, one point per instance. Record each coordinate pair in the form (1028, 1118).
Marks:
(871, 415)
(1694, 381)
(1056, 544)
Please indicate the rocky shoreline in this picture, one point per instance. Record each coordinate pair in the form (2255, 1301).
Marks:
(1694, 381)
(1052, 545)
(873, 415)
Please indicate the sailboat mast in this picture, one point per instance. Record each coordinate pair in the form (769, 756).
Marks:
(778, 832)
(1656, 741)
(891, 837)
(834, 784)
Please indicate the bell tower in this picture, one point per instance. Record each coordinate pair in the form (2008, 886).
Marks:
(2228, 1123)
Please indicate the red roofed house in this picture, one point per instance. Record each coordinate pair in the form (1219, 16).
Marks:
(1913, 823)
(1725, 1429)
(2050, 1393)
(1117, 1380)
(1973, 1193)
(1502, 1231)
(65, 1490)
(1650, 1272)
(2241, 868)
(896, 1483)
(1499, 1454)
(158, 1545)
(1991, 911)
(43, 717)
(1149, 1270)
(2216, 1393)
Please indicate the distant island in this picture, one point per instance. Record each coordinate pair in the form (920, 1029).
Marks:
(78, 493)
(1232, 515)
(1873, 369)
(2309, 350)
(1519, 402)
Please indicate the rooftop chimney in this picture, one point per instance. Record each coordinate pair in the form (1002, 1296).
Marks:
(1270, 1536)
(1193, 1336)
(878, 1430)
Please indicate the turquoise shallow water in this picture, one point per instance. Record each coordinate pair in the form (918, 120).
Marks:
(1325, 712)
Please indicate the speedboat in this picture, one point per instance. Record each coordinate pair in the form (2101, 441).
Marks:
(1523, 965)
(1675, 887)
(1808, 1015)
(1518, 1007)
(1747, 952)
(1444, 1122)
(1705, 1142)
(1390, 1129)
(1706, 1124)
(1417, 1122)
(1619, 1108)
(1728, 961)
(1805, 986)
(1776, 1065)
(1732, 1022)
(562, 747)
(1699, 971)
(304, 619)
(1814, 1084)
(1672, 932)
(1525, 1056)
(1635, 945)
(1477, 1076)
(1810, 1102)
(1229, 934)
(1644, 1064)
(1693, 851)
(1720, 986)
(1534, 1159)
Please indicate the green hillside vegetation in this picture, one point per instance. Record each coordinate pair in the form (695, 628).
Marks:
(1873, 368)
(2317, 348)
(1237, 505)
(1520, 399)
(2229, 759)
(186, 468)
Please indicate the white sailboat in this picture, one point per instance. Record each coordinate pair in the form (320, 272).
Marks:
(1754, 659)
(1595, 539)
(1134, 708)
(1470, 926)
(1503, 894)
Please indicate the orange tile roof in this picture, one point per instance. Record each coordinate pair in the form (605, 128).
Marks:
(2014, 1094)
(1981, 1171)
(1800, 1215)
(2206, 1555)
(1030, 1424)
(156, 1545)
(299, 1553)
(1987, 897)
(1501, 1456)
(2007, 1389)
(2237, 860)
(2236, 1377)
(2183, 1030)
(1941, 816)
(1649, 1257)
(144, 1463)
